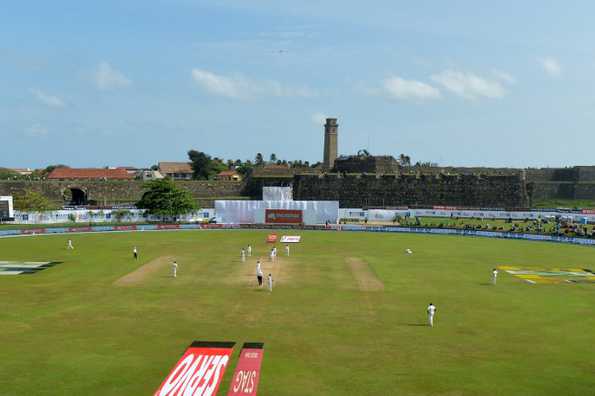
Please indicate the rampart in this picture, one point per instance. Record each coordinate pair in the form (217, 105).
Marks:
(370, 190)
(114, 192)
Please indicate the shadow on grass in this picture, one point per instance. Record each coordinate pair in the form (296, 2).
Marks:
(414, 324)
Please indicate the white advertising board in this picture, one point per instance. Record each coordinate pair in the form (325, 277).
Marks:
(291, 239)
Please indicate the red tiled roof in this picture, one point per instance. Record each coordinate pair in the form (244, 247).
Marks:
(175, 167)
(89, 173)
(228, 173)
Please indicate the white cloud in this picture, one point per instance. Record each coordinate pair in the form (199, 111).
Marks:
(238, 87)
(319, 118)
(401, 89)
(551, 66)
(504, 77)
(48, 100)
(106, 77)
(469, 85)
(36, 130)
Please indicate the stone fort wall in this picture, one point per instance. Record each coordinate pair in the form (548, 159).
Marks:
(113, 192)
(365, 190)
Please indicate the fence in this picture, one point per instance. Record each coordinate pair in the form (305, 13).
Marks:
(340, 228)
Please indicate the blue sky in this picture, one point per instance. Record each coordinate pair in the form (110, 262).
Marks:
(505, 83)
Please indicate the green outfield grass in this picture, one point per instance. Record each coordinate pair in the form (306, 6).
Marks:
(70, 330)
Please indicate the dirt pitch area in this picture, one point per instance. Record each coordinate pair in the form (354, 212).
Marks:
(139, 275)
(364, 276)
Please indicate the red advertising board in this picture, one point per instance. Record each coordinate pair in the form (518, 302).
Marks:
(125, 228)
(80, 229)
(247, 374)
(271, 238)
(168, 226)
(588, 211)
(211, 226)
(199, 370)
(283, 216)
(34, 231)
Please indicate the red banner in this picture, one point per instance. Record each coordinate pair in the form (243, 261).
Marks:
(199, 371)
(33, 231)
(588, 211)
(211, 226)
(247, 374)
(125, 228)
(80, 229)
(271, 238)
(283, 216)
(168, 226)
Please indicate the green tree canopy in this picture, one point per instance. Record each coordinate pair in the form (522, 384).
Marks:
(202, 164)
(7, 174)
(163, 198)
(32, 201)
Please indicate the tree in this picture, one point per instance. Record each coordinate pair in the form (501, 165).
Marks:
(258, 161)
(244, 168)
(273, 158)
(363, 153)
(202, 165)
(32, 201)
(404, 160)
(119, 214)
(217, 165)
(7, 174)
(164, 199)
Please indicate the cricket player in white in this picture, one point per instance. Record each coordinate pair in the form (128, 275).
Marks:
(174, 269)
(249, 250)
(135, 253)
(259, 274)
(287, 250)
(431, 311)
(408, 251)
(70, 246)
(494, 276)
(270, 282)
(272, 255)
(243, 255)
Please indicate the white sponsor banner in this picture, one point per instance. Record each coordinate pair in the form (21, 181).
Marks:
(291, 239)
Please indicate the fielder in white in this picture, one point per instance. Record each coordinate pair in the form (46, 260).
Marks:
(408, 251)
(270, 282)
(272, 255)
(243, 255)
(259, 274)
(494, 276)
(174, 269)
(249, 250)
(70, 246)
(287, 250)
(431, 311)
(135, 253)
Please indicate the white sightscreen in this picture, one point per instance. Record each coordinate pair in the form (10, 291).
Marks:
(6, 210)
(252, 212)
(277, 194)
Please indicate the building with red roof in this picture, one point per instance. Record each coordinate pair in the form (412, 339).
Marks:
(90, 174)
